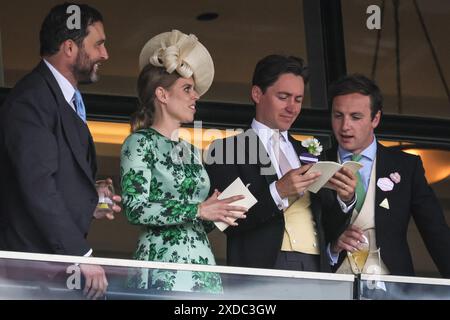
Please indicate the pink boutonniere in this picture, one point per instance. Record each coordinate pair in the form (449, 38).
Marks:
(395, 177)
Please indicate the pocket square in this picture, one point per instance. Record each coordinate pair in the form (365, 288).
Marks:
(385, 204)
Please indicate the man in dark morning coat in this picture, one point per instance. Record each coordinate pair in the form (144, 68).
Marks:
(400, 189)
(48, 196)
(265, 238)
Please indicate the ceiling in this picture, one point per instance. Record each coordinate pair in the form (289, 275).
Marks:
(244, 32)
(422, 88)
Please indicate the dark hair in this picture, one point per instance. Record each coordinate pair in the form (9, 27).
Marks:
(270, 68)
(358, 83)
(54, 29)
(150, 78)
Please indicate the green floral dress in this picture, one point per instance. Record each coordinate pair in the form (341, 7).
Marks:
(163, 182)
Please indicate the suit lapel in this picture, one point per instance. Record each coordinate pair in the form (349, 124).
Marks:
(331, 154)
(382, 170)
(68, 121)
(316, 207)
(261, 152)
(297, 145)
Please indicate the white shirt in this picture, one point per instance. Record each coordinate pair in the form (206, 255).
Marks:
(66, 87)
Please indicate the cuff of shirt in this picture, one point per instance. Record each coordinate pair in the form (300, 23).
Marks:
(332, 257)
(280, 202)
(88, 254)
(346, 208)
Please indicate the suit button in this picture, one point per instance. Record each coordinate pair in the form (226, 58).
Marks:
(314, 245)
(93, 200)
(294, 241)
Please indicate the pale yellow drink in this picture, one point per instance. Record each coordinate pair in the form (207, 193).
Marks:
(360, 258)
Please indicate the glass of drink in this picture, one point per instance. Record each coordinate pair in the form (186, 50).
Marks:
(359, 257)
(105, 190)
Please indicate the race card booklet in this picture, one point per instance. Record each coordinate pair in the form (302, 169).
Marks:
(328, 169)
(236, 188)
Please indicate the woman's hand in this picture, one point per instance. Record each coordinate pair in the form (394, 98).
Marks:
(214, 209)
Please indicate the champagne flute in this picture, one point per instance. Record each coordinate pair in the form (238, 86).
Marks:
(359, 257)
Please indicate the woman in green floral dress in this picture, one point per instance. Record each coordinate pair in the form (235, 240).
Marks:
(164, 184)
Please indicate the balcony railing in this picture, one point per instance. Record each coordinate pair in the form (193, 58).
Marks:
(42, 276)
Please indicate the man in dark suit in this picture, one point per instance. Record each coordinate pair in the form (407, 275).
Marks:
(394, 187)
(285, 229)
(48, 195)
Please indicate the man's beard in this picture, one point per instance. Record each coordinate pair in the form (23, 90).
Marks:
(84, 69)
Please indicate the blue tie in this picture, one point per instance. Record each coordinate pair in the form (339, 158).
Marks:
(79, 105)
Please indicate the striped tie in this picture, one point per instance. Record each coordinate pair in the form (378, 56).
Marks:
(360, 191)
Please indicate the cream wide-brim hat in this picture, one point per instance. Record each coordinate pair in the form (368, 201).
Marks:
(176, 51)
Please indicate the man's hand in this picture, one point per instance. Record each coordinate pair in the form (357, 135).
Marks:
(100, 213)
(344, 182)
(108, 213)
(296, 181)
(96, 283)
(349, 240)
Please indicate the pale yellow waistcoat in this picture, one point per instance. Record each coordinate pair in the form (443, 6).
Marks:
(366, 221)
(300, 232)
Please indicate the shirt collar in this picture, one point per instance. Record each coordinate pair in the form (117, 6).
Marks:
(369, 152)
(265, 133)
(66, 87)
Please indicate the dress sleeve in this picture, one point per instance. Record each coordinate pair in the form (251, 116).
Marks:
(144, 200)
